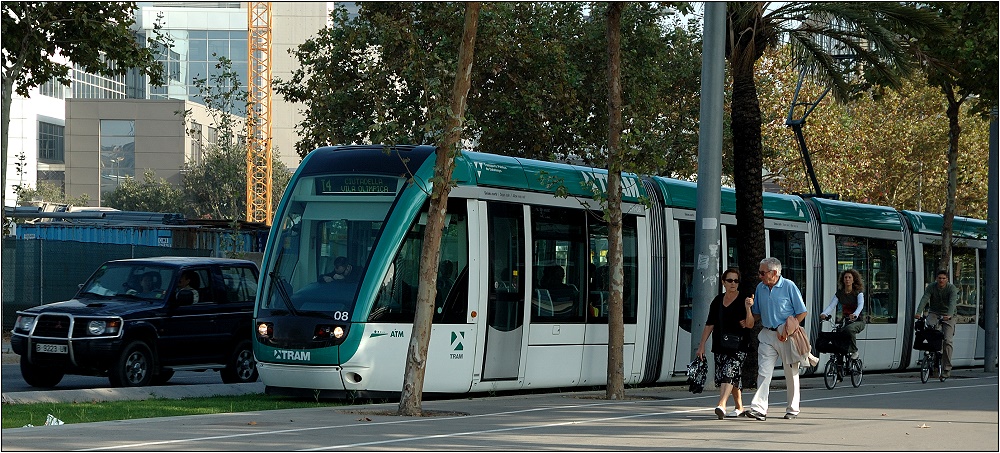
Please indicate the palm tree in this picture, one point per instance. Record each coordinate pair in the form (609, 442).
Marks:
(846, 46)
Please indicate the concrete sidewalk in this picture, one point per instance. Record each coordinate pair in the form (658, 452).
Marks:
(889, 412)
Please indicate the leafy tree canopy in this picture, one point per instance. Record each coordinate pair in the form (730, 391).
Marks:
(966, 60)
(215, 186)
(539, 85)
(94, 35)
(149, 195)
(884, 150)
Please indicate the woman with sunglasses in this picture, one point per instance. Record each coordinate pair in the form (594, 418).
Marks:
(729, 316)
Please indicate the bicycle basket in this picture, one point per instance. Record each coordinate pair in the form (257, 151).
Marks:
(833, 342)
(928, 340)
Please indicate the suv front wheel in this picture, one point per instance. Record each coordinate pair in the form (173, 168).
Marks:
(241, 367)
(134, 368)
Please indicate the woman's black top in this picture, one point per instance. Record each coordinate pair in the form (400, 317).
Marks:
(731, 317)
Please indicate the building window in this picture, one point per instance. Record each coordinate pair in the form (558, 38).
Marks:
(53, 89)
(55, 178)
(195, 133)
(51, 143)
(117, 153)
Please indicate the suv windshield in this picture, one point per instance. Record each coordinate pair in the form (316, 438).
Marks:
(124, 279)
(325, 237)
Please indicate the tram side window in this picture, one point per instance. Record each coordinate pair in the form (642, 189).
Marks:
(686, 229)
(397, 298)
(599, 277)
(559, 264)
(789, 247)
(875, 260)
(964, 278)
(506, 248)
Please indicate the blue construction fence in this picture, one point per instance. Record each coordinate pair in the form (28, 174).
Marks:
(45, 263)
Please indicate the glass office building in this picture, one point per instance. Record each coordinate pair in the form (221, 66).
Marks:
(201, 33)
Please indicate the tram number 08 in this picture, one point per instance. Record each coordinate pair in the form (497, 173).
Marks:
(341, 316)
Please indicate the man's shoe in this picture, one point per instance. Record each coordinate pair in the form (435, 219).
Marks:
(946, 374)
(756, 415)
(790, 416)
(720, 412)
(735, 413)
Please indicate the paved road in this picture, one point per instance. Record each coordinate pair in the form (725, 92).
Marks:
(12, 382)
(889, 412)
(184, 384)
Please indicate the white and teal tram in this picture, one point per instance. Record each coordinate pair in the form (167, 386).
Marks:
(522, 286)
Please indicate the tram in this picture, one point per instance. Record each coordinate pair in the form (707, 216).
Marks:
(523, 282)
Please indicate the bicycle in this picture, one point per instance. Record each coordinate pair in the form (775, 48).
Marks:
(929, 339)
(841, 364)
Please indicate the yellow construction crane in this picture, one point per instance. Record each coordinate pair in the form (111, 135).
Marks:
(259, 206)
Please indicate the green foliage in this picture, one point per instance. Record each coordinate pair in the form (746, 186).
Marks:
(94, 35)
(151, 195)
(45, 191)
(885, 150)
(539, 82)
(965, 60)
(90, 34)
(215, 185)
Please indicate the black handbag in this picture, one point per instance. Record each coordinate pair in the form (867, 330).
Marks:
(729, 342)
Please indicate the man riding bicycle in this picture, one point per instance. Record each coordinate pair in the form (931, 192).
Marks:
(850, 295)
(940, 299)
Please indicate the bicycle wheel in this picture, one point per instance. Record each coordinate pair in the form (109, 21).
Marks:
(857, 372)
(938, 360)
(830, 376)
(925, 367)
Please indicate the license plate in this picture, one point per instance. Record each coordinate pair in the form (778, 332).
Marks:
(51, 348)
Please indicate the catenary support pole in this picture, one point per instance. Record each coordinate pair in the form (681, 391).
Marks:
(705, 280)
(993, 269)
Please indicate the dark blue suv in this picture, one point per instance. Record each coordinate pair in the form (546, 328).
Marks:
(137, 321)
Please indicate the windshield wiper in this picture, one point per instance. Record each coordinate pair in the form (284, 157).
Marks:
(92, 294)
(283, 292)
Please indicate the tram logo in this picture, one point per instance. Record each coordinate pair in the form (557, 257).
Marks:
(456, 344)
(394, 334)
(303, 356)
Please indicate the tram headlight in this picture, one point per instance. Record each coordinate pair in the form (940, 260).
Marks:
(265, 330)
(324, 332)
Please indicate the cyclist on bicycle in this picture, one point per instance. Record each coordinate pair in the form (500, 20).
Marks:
(940, 299)
(850, 295)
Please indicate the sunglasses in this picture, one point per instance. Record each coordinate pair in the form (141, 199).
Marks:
(763, 272)
(730, 280)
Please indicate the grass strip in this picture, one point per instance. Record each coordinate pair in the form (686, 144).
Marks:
(19, 415)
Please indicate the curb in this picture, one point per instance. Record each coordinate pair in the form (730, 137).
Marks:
(132, 393)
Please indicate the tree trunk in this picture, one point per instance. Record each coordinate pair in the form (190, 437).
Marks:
(747, 172)
(8, 99)
(954, 131)
(616, 321)
(411, 395)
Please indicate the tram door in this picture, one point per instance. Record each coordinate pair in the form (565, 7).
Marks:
(505, 303)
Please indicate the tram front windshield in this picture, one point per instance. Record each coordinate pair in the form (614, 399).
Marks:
(317, 262)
